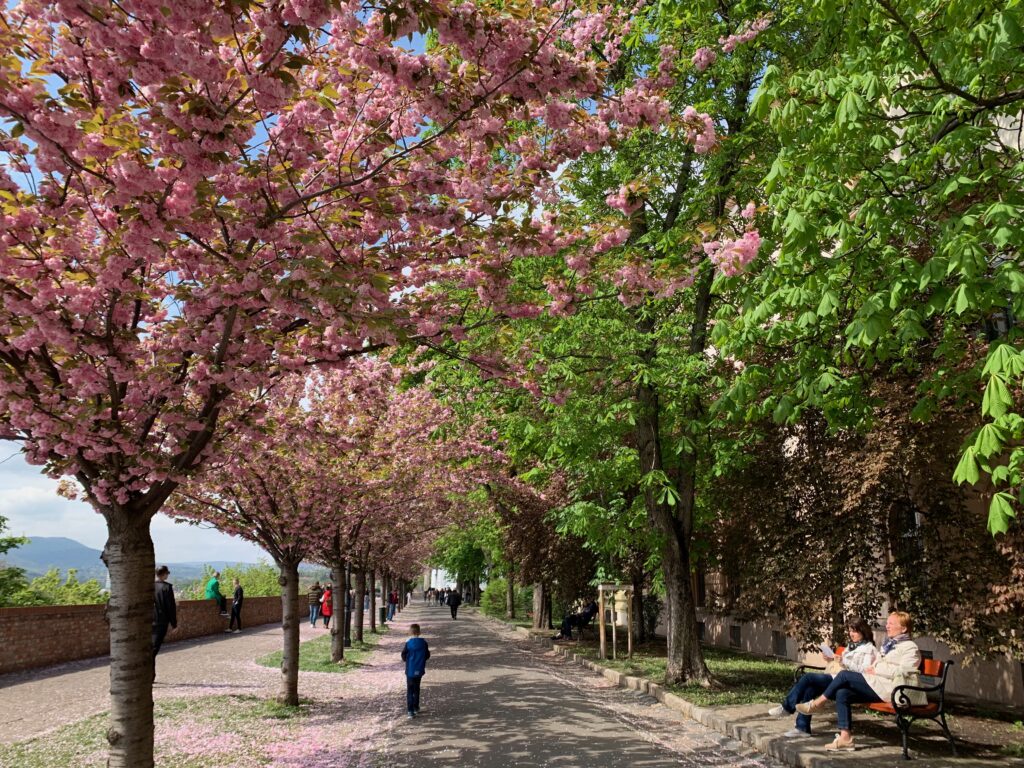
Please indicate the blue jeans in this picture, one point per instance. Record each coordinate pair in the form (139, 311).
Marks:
(314, 613)
(809, 686)
(391, 611)
(846, 689)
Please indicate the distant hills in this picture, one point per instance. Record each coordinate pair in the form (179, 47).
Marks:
(45, 552)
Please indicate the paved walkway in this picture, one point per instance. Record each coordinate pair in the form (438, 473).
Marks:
(490, 699)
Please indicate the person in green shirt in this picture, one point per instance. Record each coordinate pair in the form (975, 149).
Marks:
(213, 593)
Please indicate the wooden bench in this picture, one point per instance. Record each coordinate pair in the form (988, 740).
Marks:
(578, 631)
(900, 706)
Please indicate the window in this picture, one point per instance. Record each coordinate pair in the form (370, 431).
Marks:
(700, 631)
(734, 635)
(779, 644)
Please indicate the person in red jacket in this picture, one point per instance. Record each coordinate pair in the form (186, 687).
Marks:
(327, 605)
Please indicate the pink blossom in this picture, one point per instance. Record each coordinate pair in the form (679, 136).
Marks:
(704, 58)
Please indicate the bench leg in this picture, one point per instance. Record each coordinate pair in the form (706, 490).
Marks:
(945, 730)
(904, 724)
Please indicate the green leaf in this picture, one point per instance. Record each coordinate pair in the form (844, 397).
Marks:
(989, 441)
(996, 400)
(963, 301)
(1009, 30)
(1000, 510)
(967, 468)
(829, 302)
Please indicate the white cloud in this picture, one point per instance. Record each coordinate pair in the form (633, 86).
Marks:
(29, 501)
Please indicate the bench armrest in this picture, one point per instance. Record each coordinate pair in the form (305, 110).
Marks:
(900, 699)
(804, 668)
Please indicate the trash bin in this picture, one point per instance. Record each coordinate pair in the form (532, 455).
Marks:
(383, 615)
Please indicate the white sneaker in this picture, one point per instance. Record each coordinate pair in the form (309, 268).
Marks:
(796, 733)
(779, 711)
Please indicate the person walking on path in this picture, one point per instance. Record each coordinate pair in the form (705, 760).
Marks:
(415, 653)
(454, 601)
(236, 608)
(165, 611)
(327, 605)
(315, 595)
(213, 593)
(392, 604)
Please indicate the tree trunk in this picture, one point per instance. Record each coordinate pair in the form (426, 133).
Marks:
(510, 595)
(640, 625)
(541, 607)
(359, 598)
(289, 581)
(130, 561)
(685, 658)
(373, 601)
(339, 594)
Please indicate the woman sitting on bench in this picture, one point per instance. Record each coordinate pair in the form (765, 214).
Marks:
(897, 666)
(579, 619)
(860, 654)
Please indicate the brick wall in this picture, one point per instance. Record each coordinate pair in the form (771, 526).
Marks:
(44, 635)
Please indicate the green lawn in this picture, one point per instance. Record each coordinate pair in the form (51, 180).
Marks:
(315, 655)
(745, 679)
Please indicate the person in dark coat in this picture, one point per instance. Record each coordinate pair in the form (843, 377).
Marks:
(165, 611)
(579, 619)
(236, 608)
(415, 653)
(454, 601)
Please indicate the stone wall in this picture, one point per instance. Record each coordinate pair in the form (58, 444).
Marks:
(41, 636)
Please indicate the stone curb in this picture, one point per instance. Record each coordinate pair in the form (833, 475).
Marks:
(783, 750)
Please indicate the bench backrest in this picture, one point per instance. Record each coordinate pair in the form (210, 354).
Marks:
(927, 667)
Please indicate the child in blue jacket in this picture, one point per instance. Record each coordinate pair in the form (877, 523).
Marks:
(415, 653)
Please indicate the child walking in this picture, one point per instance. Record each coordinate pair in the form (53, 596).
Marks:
(415, 653)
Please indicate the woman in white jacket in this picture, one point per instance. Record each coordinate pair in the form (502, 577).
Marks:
(860, 654)
(897, 665)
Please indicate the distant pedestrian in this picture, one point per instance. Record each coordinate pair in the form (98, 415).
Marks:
(315, 593)
(213, 593)
(165, 611)
(454, 601)
(392, 604)
(235, 625)
(415, 653)
(327, 605)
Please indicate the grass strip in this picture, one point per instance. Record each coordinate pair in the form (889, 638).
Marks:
(745, 679)
(315, 655)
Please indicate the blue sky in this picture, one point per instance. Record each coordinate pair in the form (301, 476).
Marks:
(29, 501)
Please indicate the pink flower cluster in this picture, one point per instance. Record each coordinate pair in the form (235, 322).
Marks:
(704, 58)
(732, 256)
(626, 199)
(700, 130)
(758, 26)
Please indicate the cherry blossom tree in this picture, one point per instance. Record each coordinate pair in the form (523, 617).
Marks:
(270, 488)
(199, 198)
